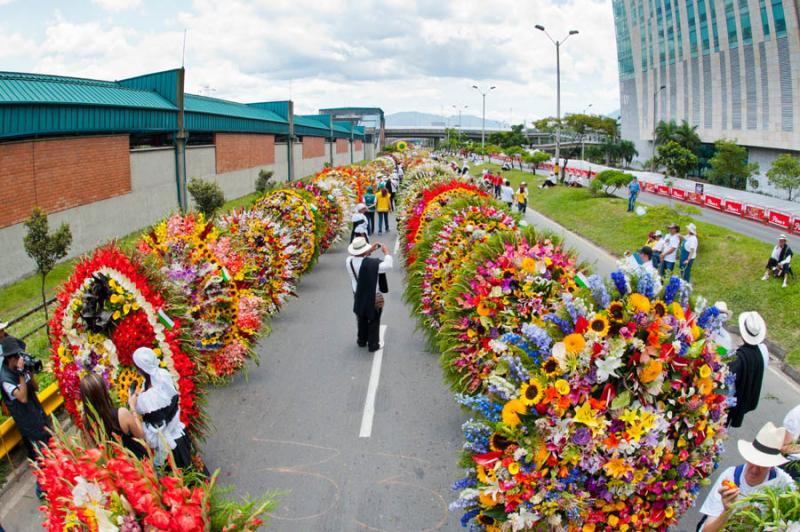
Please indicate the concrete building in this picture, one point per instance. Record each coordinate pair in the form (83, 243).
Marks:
(113, 157)
(729, 67)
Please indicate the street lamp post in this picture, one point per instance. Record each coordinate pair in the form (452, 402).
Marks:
(655, 96)
(558, 85)
(483, 116)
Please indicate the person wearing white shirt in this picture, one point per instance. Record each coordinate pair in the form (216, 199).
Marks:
(360, 223)
(365, 279)
(638, 263)
(780, 261)
(671, 244)
(762, 459)
(657, 246)
(507, 194)
(688, 252)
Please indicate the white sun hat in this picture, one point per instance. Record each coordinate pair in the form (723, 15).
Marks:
(765, 449)
(752, 327)
(359, 246)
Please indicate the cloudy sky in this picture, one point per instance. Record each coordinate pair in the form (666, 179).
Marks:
(401, 55)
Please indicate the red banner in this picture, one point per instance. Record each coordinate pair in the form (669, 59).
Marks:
(678, 193)
(734, 207)
(694, 197)
(649, 187)
(662, 190)
(780, 219)
(714, 202)
(796, 224)
(756, 212)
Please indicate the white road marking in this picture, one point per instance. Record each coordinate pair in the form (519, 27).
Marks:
(396, 245)
(372, 389)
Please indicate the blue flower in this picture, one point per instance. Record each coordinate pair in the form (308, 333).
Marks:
(645, 284)
(599, 292)
(467, 517)
(466, 482)
(477, 436)
(538, 336)
(671, 289)
(481, 404)
(567, 300)
(707, 316)
(620, 282)
(565, 327)
(517, 373)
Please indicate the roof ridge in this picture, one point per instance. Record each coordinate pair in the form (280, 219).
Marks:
(53, 78)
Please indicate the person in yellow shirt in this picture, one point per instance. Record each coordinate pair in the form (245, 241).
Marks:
(383, 204)
(522, 197)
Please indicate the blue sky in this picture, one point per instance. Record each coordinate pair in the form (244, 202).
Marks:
(397, 54)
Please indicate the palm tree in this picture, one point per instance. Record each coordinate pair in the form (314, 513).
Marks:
(665, 131)
(627, 151)
(684, 134)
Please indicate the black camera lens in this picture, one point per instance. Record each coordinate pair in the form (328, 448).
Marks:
(34, 365)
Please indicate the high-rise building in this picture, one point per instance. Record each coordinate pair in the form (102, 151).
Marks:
(729, 67)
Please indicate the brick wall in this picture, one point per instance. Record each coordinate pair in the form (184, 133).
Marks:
(359, 145)
(313, 147)
(341, 146)
(60, 174)
(236, 151)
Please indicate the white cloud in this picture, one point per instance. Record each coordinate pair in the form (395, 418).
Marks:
(117, 5)
(399, 55)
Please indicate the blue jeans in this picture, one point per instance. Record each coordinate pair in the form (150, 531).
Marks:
(666, 265)
(632, 202)
(383, 221)
(686, 271)
(370, 221)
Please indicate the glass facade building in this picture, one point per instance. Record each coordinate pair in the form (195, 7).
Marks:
(729, 67)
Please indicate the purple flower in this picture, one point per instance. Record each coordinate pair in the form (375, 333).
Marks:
(582, 436)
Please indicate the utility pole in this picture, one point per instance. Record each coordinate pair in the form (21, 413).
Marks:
(483, 115)
(558, 85)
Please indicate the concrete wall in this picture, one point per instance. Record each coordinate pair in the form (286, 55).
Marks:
(281, 166)
(369, 151)
(306, 167)
(342, 155)
(153, 195)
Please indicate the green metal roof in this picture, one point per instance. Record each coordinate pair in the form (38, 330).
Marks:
(213, 114)
(215, 106)
(311, 126)
(22, 89)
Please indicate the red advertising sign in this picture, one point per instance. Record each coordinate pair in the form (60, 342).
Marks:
(796, 224)
(694, 197)
(714, 202)
(662, 190)
(734, 207)
(780, 219)
(756, 212)
(649, 187)
(678, 193)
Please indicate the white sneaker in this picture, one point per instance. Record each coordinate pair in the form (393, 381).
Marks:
(766, 277)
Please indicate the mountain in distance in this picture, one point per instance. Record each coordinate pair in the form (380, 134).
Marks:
(414, 118)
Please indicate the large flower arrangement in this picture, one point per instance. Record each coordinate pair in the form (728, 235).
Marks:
(515, 277)
(447, 243)
(609, 416)
(214, 275)
(266, 242)
(342, 186)
(107, 309)
(329, 210)
(293, 209)
(107, 488)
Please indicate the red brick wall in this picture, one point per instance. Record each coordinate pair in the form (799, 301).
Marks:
(235, 151)
(313, 147)
(341, 146)
(359, 145)
(61, 174)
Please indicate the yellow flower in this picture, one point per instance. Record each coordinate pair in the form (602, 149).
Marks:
(513, 468)
(115, 298)
(551, 367)
(483, 310)
(669, 512)
(612, 520)
(705, 371)
(617, 467)
(586, 415)
(599, 325)
(630, 416)
(529, 265)
(677, 311)
(616, 312)
(640, 302)
(574, 343)
(511, 412)
(651, 371)
(562, 386)
(487, 499)
(704, 386)
(531, 393)
(636, 431)
(115, 315)
(660, 309)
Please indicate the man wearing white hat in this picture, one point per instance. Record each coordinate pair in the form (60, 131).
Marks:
(360, 223)
(748, 366)
(368, 280)
(762, 457)
(780, 261)
(688, 252)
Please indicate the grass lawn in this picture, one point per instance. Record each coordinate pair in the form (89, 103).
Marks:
(728, 267)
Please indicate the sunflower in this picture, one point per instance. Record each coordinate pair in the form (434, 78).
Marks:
(485, 520)
(551, 367)
(531, 393)
(660, 309)
(126, 377)
(574, 343)
(599, 325)
(511, 412)
(498, 442)
(616, 311)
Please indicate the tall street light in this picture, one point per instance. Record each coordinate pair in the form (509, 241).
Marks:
(483, 119)
(558, 85)
(655, 97)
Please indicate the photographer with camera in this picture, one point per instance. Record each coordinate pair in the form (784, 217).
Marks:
(19, 389)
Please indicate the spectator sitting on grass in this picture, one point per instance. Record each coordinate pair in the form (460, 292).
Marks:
(780, 261)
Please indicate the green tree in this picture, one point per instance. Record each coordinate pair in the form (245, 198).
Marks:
(207, 196)
(609, 181)
(729, 166)
(627, 151)
(676, 159)
(536, 158)
(44, 248)
(262, 182)
(684, 134)
(785, 173)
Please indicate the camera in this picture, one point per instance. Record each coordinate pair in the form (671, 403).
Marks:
(32, 364)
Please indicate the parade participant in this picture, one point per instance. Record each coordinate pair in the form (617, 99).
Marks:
(688, 252)
(780, 261)
(671, 244)
(99, 413)
(369, 201)
(748, 366)
(383, 204)
(158, 404)
(507, 194)
(360, 223)
(368, 280)
(760, 470)
(522, 197)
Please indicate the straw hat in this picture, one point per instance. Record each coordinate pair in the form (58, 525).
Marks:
(765, 449)
(752, 327)
(359, 246)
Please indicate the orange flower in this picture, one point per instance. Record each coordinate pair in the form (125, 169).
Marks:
(483, 310)
(574, 343)
(651, 371)
(640, 302)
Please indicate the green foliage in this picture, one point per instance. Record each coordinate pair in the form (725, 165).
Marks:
(262, 182)
(207, 196)
(626, 150)
(767, 509)
(44, 248)
(536, 158)
(676, 159)
(507, 139)
(583, 123)
(684, 134)
(785, 173)
(609, 181)
(230, 514)
(729, 166)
